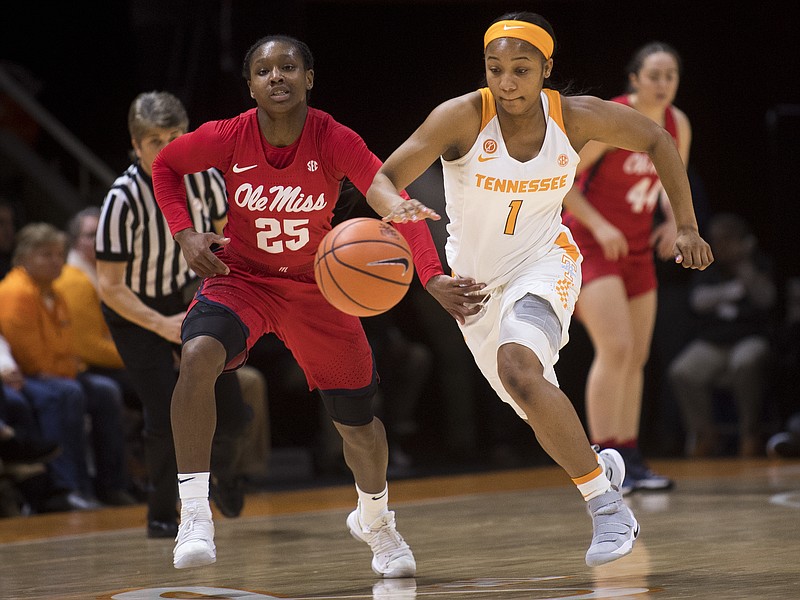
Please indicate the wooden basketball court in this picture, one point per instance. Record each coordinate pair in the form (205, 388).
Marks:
(730, 529)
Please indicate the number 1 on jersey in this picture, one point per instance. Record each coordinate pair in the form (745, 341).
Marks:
(511, 221)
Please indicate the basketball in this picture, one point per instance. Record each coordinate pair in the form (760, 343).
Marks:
(363, 266)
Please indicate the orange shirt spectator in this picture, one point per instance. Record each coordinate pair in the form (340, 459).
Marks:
(36, 322)
(93, 340)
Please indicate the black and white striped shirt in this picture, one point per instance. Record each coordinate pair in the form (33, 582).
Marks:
(133, 229)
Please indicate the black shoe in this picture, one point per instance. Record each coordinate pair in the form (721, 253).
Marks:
(117, 498)
(68, 502)
(19, 450)
(783, 445)
(162, 529)
(228, 496)
(638, 475)
(58, 502)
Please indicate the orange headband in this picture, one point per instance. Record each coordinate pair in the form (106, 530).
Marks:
(522, 30)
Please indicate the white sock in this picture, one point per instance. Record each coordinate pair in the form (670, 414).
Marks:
(193, 487)
(596, 487)
(373, 505)
(593, 484)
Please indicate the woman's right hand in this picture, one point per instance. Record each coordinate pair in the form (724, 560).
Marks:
(196, 248)
(459, 296)
(611, 240)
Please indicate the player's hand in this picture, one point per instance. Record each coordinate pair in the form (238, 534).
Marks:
(12, 377)
(612, 241)
(662, 240)
(170, 328)
(410, 211)
(460, 296)
(196, 248)
(692, 251)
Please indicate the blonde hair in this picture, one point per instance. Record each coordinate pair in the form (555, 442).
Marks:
(35, 235)
(156, 110)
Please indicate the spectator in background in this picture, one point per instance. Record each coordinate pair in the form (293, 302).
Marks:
(145, 284)
(35, 321)
(78, 285)
(19, 438)
(55, 412)
(25, 483)
(733, 302)
(51, 413)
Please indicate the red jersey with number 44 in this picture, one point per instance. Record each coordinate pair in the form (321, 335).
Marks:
(277, 215)
(624, 187)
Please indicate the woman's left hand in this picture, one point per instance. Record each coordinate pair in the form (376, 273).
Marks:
(691, 251)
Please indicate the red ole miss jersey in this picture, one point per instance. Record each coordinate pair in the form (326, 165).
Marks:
(277, 216)
(624, 187)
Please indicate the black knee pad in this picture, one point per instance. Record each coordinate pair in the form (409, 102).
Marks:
(351, 407)
(217, 322)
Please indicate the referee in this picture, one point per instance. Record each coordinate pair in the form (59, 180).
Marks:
(145, 285)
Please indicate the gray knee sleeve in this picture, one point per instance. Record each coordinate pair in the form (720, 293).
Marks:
(537, 311)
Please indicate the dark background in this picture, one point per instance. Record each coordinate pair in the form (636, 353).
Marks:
(381, 66)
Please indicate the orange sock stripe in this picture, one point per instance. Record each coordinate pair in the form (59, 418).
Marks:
(588, 477)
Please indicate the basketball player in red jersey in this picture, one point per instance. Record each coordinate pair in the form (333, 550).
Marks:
(610, 213)
(283, 164)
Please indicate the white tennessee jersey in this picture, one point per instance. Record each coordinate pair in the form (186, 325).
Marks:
(504, 213)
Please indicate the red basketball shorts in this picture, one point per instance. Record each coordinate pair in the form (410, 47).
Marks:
(637, 270)
(329, 345)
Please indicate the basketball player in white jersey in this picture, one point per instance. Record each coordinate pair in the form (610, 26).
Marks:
(509, 153)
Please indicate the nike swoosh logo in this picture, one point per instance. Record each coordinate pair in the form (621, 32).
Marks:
(185, 480)
(482, 158)
(379, 497)
(506, 27)
(391, 261)
(238, 169)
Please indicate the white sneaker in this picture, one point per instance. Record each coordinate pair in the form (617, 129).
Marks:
(392, 556)
(195, 541)
(614, 528)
